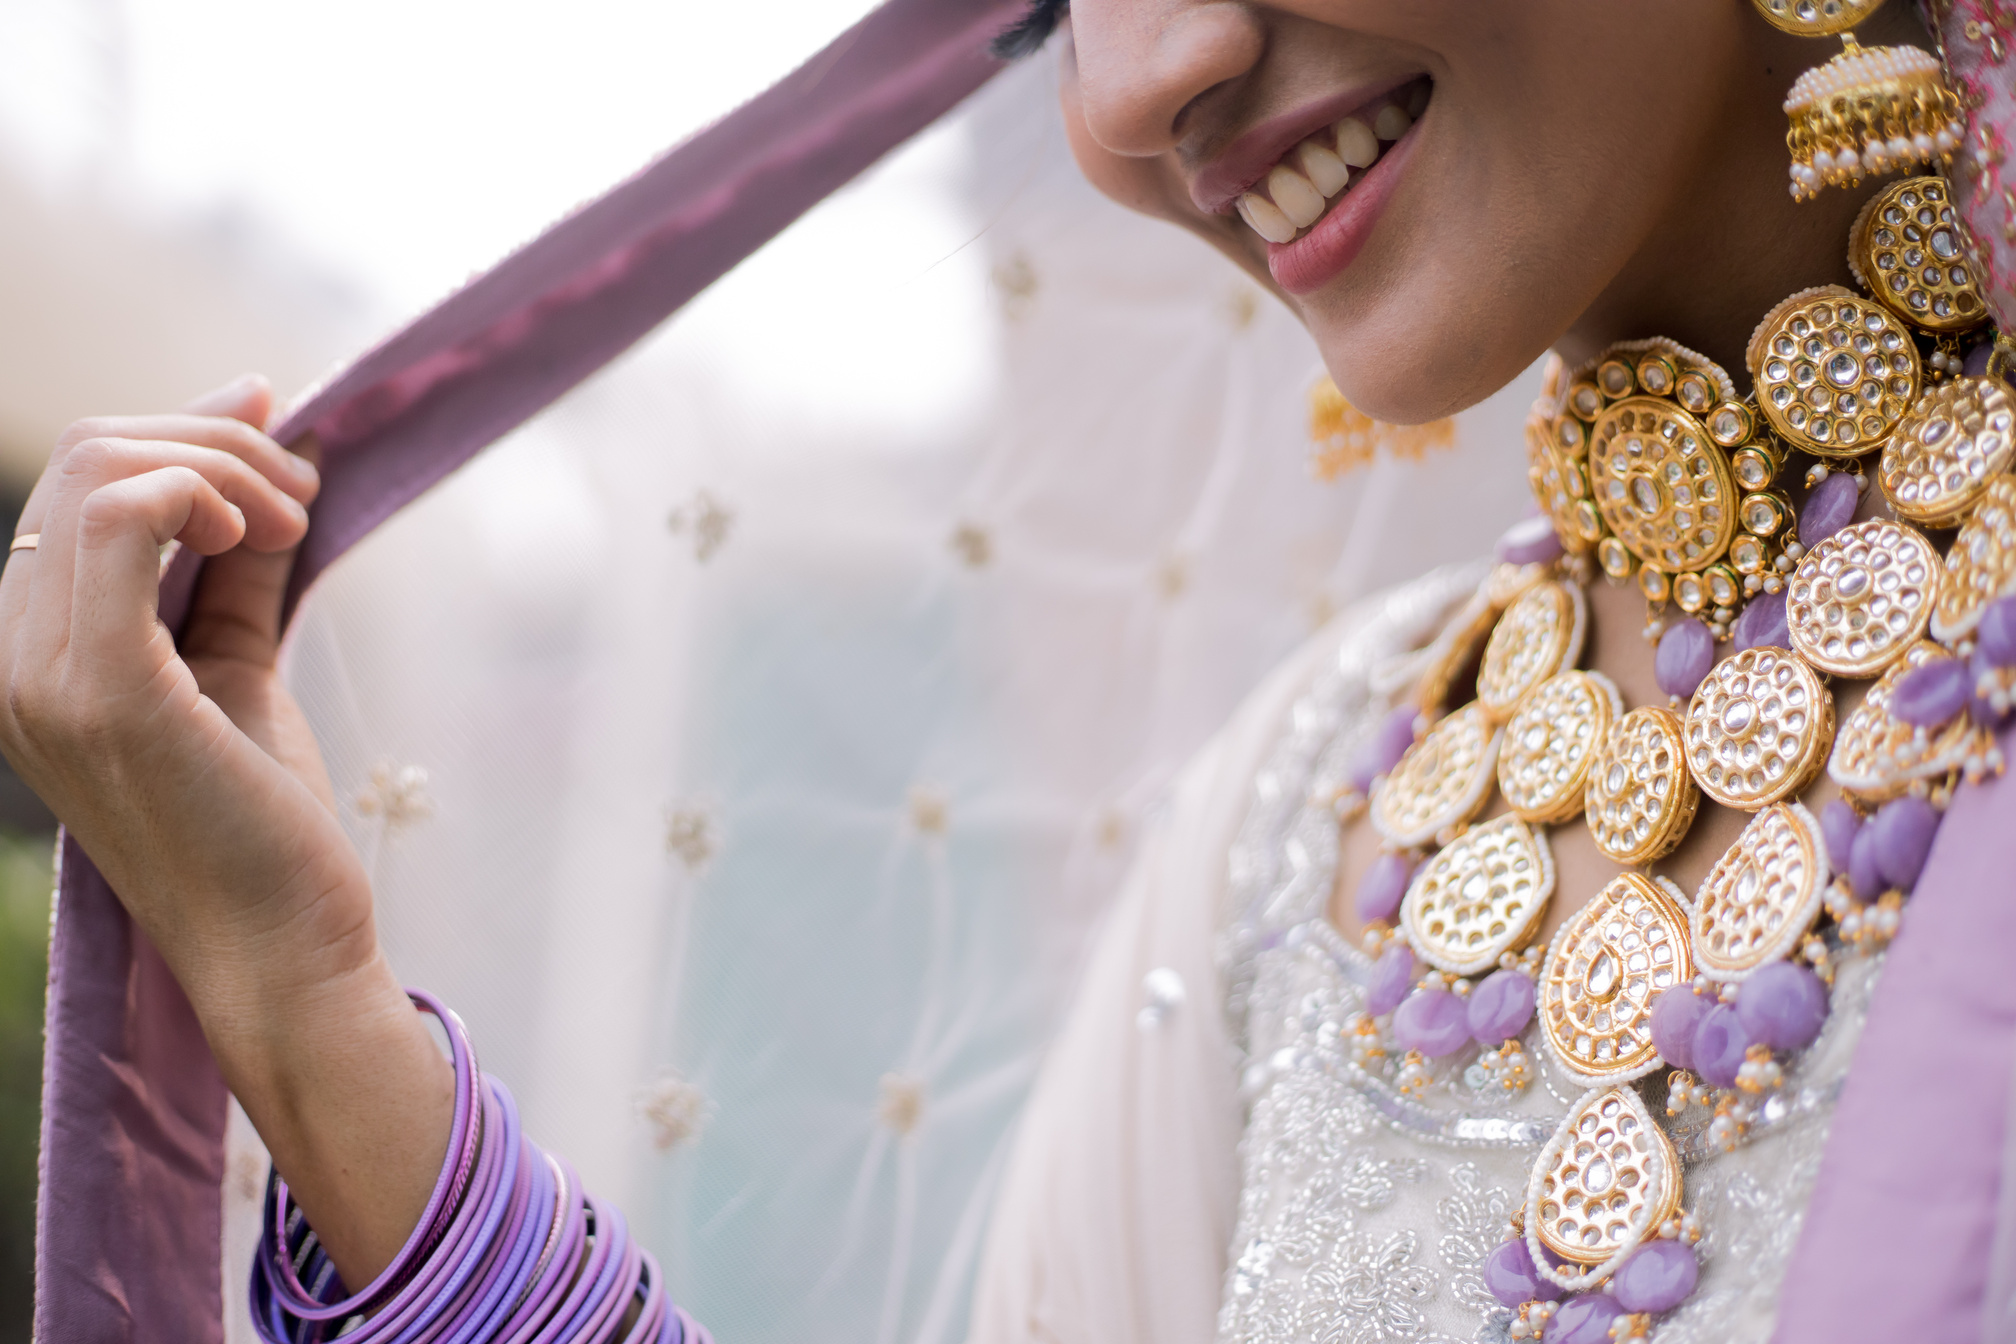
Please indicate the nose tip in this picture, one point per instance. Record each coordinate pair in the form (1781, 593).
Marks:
(1142, 66)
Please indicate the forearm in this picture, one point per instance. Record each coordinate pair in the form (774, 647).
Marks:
(353, 1099)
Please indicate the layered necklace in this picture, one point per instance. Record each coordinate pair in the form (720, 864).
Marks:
(1649, 466)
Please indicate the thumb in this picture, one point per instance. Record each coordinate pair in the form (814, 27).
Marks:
(248, 397)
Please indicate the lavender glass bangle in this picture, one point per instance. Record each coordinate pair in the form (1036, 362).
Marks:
(509, 1250)
(464, 1144)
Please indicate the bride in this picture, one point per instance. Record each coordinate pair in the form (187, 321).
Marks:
(1518, 961)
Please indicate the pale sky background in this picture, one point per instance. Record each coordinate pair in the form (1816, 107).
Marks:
(359, 161)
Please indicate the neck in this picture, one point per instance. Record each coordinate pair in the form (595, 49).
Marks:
(1733, 242)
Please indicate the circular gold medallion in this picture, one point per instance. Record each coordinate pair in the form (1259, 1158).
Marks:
(1906, 248)
(1758, 728)
(1834, 372)
(1662, 485)
(1544, 759)
(1862, 597)
(1878, 756)
(1482, 895)
(1640, 798)
(1816, 18)
(1981, 563)
(1539, 634)
(1443, 780)
(1960, 436)
(1604, 1181)
(1762, 895)
(1610, 960)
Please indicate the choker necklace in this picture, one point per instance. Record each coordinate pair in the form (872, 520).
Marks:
(1648, 465)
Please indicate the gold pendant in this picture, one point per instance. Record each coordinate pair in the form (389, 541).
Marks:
(1867, 112)
(1816, 18)
(1675, 485)
(1861, 597)
(1481, 896)
(1558, 731)
(1442, 781)
(1905, 249)
(1666, 493)
(1539, 635)
(1762, 895)
(1879, 756)
(1608, 963)
(1604, 1181)
(1758, 728)
(1834, 372)
(1640, 798)
(1980, 565)
(1958, 438)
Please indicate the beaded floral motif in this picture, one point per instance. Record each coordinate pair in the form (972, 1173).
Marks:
(1977, 37)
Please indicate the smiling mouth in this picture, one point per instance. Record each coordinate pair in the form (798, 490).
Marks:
(1319, 171)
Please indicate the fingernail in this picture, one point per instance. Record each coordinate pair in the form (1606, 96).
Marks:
(303, 469)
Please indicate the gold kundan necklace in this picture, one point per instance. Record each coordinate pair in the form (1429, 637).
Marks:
(1648, 465)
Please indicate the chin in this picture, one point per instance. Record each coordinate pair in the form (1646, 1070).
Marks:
(1404, 370)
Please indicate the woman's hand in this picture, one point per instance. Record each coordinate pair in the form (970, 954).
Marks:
(191, 779)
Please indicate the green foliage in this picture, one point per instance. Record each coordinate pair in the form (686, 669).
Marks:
(25, 881)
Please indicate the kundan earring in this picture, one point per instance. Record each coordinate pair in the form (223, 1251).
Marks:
(1343, 438)
(1870, 110)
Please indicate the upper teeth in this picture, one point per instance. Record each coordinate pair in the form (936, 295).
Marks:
(1297, 189)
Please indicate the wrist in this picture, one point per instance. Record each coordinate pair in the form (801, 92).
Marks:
(353, 1098)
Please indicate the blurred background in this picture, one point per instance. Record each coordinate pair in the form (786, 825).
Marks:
(748, 746)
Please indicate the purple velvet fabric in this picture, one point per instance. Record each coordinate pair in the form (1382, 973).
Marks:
(129, 1215)
(1916, 1142)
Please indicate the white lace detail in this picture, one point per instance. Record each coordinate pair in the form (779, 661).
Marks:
(1365, 1215)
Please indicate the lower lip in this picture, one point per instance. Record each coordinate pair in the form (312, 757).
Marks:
(1322, 254)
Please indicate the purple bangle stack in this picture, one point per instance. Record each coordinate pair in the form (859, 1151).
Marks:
(509, 1249)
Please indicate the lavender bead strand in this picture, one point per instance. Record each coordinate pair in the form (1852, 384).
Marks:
(1828, 509)
(1382, 888)
(1762, 623)
(1686, 653)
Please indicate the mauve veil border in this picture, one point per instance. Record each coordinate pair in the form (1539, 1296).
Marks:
(129, 1212)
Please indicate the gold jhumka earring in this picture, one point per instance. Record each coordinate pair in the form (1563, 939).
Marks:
(1343, 438)
(1870, 110)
